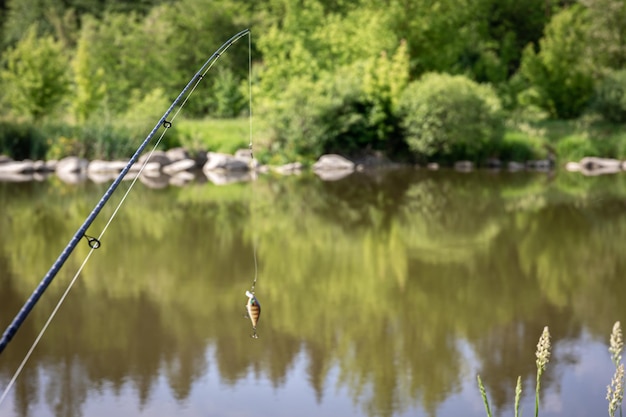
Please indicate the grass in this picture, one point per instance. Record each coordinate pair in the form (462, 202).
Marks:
(569, 140)
(524, 139)
(615, 390)
(216, 135)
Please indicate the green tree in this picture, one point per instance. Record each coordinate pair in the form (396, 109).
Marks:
(558, 75)
(127, 54)
(35, 76)
(199, 28)
(89, 75)
(606, 37)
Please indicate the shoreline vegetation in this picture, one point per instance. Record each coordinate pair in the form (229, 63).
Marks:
(427, 81)
(557, 145)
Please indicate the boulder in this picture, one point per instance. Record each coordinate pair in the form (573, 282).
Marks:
(539, 164)
(5, 159)
(100, 166)
(515, 166)
(464, 166)
(245, 154)
(177, 154)
(156, 182)
(227, 177)
(573, 167)
(150, 166)
(182, 178)
(592, 163)
(219, 161)
(333, 162)
(179, 166)
(333, 175)
(288, 169)
(17, 167)
(71, 165)
(157, 156)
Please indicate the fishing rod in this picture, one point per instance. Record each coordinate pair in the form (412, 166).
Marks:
(93, 242)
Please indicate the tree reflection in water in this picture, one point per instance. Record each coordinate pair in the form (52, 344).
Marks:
(379, 277)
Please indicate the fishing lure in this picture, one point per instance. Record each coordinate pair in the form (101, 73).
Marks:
(253, 307)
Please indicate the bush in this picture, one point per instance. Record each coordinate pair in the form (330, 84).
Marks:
(21, 141)
(610, 99)
(330, 115)
(449, 117)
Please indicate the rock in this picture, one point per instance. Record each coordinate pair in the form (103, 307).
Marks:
(245, 154)
(593, 163)
(100, 166)
(493, 163)
(4, 159)
(17, 167)
(182, 178)
(179, 166)
(71, 165)
(70, 177)
(150, 166)
(333, 175)
(333, 162)
(101, 176)
(224, 162)
(287, 169)
(177, 154)
(464, 166)
(41, 166)
(15, 177)
(51, 165)
(157, 156)
(433, 166)
(573, 167)
(201, 158)
(157, 182)
(539, 164)
(515, 166)
(227, 177)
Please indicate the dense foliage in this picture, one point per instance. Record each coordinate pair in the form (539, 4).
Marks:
(444, 115)
(327, 75)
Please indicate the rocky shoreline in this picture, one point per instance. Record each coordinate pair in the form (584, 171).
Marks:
(177, 167)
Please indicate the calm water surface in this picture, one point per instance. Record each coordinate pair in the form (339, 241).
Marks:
(382, 295)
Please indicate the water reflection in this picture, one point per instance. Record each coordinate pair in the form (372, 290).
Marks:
(389, 292)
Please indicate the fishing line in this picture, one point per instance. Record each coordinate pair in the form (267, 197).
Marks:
(253, 161)
(94, 243)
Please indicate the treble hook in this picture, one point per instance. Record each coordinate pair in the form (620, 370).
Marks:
(92, 241)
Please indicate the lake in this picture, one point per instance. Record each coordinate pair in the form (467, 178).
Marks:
(383, 294)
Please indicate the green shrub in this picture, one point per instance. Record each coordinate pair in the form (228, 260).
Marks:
(330, 115)
(518, 146)
(21, 141)
(610, 99)
(449, 117)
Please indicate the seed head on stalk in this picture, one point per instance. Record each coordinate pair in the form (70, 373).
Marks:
(543, 356)
(616, 344)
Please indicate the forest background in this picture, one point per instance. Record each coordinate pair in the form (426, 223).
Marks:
(411, 80)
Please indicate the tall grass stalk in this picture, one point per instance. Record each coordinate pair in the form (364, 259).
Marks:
(483, 393)
(543, 356)
(615, 390)
(518, 395)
